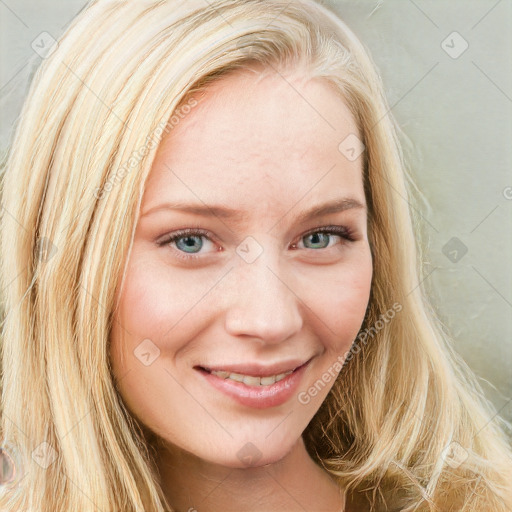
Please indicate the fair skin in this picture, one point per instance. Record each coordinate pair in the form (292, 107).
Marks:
(268, 149)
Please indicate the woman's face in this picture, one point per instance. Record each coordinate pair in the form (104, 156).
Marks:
(261, 286)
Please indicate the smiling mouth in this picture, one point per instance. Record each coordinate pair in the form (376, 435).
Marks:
(250, 380)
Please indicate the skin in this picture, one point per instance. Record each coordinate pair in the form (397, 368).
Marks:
(268, 148)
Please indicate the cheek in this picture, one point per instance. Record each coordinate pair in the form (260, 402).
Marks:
(150, 306)
(154, 301)
(145, 313)
(341, 302)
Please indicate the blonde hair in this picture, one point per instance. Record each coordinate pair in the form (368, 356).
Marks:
(405, 425)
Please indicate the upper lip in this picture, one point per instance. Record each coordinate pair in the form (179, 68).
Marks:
(257, 369)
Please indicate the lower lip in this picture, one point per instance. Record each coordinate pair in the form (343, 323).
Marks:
(258, 397)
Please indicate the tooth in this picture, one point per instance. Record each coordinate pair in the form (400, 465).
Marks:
(251, 381)
(221, 373)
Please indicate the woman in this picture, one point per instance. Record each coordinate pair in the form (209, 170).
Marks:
(211, 295)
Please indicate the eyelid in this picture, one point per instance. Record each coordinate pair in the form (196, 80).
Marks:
(343, 231)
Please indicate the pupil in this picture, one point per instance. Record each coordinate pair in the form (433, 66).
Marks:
(190, 241)
(316, 238)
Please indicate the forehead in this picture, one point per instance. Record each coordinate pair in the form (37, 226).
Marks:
(256, 140)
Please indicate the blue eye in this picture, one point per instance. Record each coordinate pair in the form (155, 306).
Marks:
(189, 242)
(320, 238)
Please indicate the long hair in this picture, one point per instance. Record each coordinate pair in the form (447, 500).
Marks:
(405, 425)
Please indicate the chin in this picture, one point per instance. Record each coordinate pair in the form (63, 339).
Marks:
(250, 455)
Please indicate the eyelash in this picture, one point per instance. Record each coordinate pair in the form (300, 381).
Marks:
(342, 231)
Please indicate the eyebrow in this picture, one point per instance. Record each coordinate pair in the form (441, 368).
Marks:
(236, 216)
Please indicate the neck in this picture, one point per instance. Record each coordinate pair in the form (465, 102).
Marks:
(294, 483)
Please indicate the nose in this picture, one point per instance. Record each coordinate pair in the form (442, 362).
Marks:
(262, 303)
